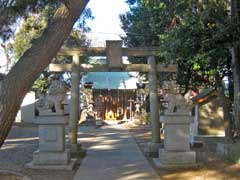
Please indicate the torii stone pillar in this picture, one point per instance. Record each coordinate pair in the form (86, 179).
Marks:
(154, 108)
(74, 108)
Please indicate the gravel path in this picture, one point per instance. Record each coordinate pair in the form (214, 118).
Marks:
(17, 151)
(23, 141)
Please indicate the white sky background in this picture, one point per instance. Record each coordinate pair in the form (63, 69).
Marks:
(106, 24)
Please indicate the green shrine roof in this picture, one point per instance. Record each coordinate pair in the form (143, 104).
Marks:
(111, 80)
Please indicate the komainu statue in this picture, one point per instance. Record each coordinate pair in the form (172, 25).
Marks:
(52, 102)
(176, 102)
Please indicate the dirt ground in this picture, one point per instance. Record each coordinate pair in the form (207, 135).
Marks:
(17, 152)
(214, 168)
(21, 143)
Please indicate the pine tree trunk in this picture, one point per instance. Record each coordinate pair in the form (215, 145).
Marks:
(29, 67)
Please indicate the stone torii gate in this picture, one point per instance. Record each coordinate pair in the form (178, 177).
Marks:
(114, 53)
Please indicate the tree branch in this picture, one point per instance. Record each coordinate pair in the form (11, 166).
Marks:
(21, 77)
(66, 3)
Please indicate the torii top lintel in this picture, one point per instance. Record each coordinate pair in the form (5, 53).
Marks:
(114, 52)
(102, 51)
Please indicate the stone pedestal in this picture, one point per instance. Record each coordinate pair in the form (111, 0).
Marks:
(152, 149)
(52, 153)
(77, 151)
(229, 151)
(176, 151)
(66, 103)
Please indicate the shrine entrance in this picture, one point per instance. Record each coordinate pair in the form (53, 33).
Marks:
(114, 53)
(110, 93)
(113, 104)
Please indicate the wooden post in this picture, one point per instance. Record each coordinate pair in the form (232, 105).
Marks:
(74, 111)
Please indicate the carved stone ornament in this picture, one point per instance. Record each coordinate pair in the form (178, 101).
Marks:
(176, 102)
(52, 102)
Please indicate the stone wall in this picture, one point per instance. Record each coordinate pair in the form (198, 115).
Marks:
(26, 114)
(211, 118)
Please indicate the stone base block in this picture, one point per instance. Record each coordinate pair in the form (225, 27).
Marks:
(159, 164)
(201, 152)
(75, 147)
(79, 154)
(51, 158)
(230, 151)
(177, 158)
(152, 149)
(77, 151)
(99, 122)
(67, 167)
(50, 113)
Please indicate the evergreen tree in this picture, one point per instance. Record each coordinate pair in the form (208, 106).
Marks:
(194, 34)
(30, 65)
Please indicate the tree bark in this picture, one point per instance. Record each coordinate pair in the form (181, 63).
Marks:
(236, 81)
(29, 67)
(236, 71)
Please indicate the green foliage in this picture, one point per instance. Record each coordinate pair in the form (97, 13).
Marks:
(192, 43)
(194, 34)
(12, 11)
(77, 38)
(32, 28)
(42, 84)
(140, 23)
(34, 25)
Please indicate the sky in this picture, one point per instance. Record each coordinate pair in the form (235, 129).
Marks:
(106, 24)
